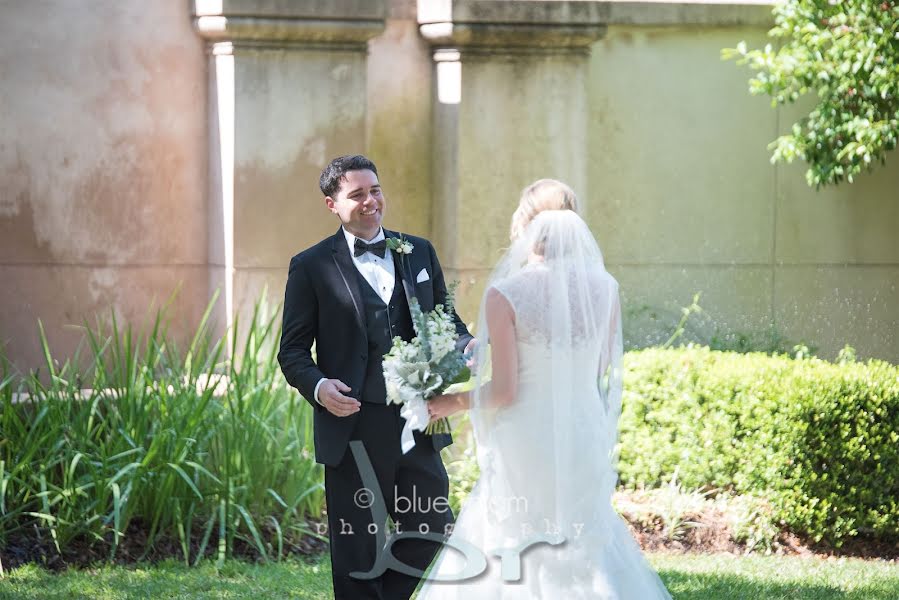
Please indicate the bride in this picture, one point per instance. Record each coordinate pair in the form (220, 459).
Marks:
(545, 424)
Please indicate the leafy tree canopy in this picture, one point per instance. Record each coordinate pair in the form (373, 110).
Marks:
(846, 52)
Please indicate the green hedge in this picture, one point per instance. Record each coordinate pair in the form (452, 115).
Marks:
(820, 440)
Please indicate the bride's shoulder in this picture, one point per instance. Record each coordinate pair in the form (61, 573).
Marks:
(518, 290)
(513, 283)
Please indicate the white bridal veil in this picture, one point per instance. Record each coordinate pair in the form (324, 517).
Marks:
(547, 460)
(568, 327)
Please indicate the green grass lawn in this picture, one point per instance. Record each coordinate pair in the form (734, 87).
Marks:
(725, 577)
(690, 577)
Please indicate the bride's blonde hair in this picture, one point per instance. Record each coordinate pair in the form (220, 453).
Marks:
(543, 194)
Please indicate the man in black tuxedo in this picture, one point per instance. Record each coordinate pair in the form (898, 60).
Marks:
(350, 296)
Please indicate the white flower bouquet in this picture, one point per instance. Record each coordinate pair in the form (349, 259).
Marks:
(424, 367)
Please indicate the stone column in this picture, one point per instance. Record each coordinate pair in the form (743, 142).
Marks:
(287, 92)
(510, 107)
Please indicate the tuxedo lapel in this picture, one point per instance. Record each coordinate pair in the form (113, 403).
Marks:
(403, 264)
(347, 272)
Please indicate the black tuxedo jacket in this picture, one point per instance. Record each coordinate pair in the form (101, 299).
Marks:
(323, 305)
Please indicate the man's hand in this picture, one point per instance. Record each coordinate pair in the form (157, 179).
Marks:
(330, 395)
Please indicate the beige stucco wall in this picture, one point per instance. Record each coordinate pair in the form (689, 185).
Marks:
(683, 199)
(679, 187)
(300, 107)
(398, 121)
(113, 183)
(302, 100)
(294, 111)
(102, 167)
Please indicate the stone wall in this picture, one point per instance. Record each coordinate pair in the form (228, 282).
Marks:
(667, 149)
(146, 146)
(103, 171)
(684, 200)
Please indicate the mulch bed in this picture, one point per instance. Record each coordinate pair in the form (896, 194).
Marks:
(37, 547)
(711, 534)
(708, 534)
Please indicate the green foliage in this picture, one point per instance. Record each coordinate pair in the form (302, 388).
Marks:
(686, 312)
(819, 440)
(770, 341)
(752, 522)
(845, 52)
(197, 446)
(462, 468)
(696, 325)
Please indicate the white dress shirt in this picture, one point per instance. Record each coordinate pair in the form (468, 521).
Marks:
(378, 272)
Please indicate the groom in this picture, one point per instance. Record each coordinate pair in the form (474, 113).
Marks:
(349, 295)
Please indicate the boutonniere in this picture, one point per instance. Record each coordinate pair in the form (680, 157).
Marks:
(400, 245)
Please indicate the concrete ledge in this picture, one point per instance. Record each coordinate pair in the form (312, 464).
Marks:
(313, 32)
(587, 13)
(546, 12)
(516, 25)
(280, 23)
(352, 10)
(516, 38)
(720, 14)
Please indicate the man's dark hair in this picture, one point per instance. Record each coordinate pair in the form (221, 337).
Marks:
(329, 182)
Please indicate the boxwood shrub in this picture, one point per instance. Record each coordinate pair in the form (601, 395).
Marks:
(820, 440)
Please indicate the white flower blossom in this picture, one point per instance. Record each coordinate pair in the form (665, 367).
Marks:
(419, 369)
(400, 245)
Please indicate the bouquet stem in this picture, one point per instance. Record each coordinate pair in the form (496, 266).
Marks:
(441, 426)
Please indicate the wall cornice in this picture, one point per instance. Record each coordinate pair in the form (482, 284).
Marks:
(543, 23)
(333, 25)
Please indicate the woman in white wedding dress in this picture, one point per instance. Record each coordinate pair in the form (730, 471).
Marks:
(545, 425)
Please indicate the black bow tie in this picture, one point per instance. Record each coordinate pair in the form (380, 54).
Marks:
(378, 248)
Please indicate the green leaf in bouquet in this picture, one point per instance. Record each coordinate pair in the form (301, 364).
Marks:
(432, 384)
(420, 324)
(408, 371)
(453, 368)
(450, 302)
(463, 376)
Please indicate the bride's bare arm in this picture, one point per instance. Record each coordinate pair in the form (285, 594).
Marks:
(614, 323)
(503, 387)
